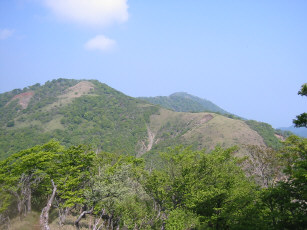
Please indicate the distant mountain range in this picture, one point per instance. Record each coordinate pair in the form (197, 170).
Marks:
(297, 131)
(89, 112)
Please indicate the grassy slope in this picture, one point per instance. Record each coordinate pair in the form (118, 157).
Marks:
(199, 130)
(183, 102)
(207, 129)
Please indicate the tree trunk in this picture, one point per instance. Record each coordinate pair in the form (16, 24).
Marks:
(80, 217)
(29, 201)
(63, 212)
(44, 217)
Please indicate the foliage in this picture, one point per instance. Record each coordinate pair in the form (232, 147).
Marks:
(303, 90)
(286, 202)
(47, 93)
(266, 132)
(191, 190)
(301, 120)
(211, 186)
(30, 171)
(26, 137)
(263, 164)
(114, 123)
(104, 118)
(283, 133)
(116, 192)
(183, 102)
(181, 219)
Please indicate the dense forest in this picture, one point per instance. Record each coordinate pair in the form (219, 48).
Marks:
(81, 155)
(78, 187)
(184, 102)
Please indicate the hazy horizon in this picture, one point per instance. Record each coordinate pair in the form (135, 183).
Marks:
(248, 58)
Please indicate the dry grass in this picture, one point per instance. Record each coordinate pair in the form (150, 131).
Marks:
(54, 124)
(207, 129)
(30, 222)
(78, 90)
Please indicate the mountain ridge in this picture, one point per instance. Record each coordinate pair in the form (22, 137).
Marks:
(184, 102)
(89, 112)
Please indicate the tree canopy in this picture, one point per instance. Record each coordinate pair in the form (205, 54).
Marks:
(301, 120)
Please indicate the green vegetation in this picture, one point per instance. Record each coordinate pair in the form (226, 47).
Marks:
(283, 133)
(267, 132)
(113, 162)
(192, 189)
(89, 112)
(103, 117)
(183, 102)
(47, 93)
(301, 120)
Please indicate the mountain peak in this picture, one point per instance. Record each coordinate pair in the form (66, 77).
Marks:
(185, 102)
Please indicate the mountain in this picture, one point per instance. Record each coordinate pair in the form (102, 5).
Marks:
(73, 112)
(297, 131)
(184, 102)
(89, 112)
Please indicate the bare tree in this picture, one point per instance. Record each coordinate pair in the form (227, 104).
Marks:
(44, 217)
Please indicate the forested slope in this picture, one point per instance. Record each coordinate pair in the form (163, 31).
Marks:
(89, 112)
(78, 188)
(184, 102)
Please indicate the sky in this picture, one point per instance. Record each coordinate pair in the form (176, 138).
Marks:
(248, 57)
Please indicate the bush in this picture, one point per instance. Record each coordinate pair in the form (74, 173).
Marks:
(10, 124)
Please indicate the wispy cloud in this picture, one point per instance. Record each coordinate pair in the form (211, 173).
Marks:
(99, 13)
(5, 33)
(101, 43)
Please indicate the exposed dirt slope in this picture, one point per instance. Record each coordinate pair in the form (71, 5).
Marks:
(23, 99)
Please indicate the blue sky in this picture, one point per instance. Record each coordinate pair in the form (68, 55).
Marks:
(248, 57)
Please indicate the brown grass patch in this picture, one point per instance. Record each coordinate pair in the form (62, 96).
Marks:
(78, 90)
(206, 129)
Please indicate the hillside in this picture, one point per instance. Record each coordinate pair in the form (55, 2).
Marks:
(72, 112)
(89, 112)
(141, 163)
(184, 102)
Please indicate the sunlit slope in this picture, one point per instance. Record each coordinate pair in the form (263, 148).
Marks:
(201, 130)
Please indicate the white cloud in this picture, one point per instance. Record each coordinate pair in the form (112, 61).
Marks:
(100, 42)
(5, 33)
(90, 12)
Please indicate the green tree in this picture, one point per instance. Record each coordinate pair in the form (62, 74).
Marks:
(210, 188)
(115, 196)
(286, 202)
(301, 120)
(44, 170)
(24, 172)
